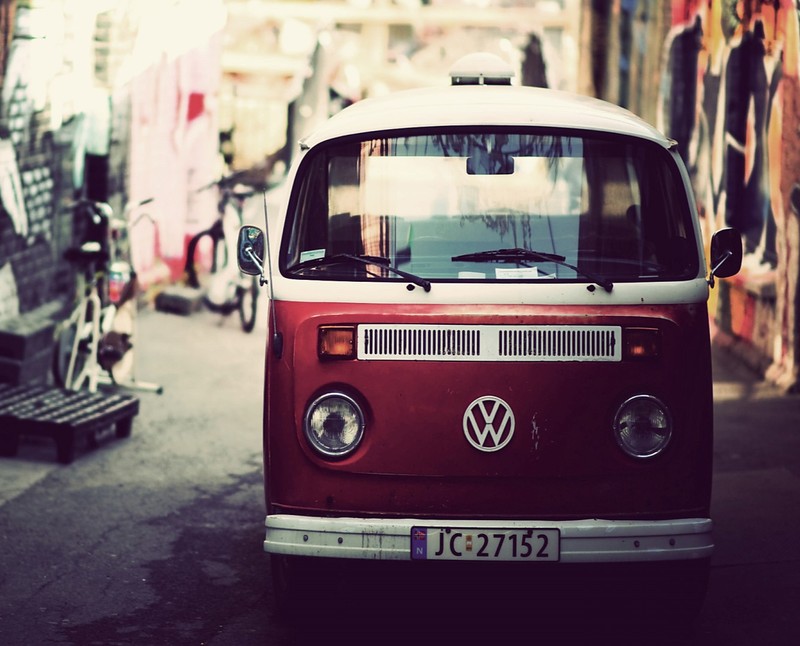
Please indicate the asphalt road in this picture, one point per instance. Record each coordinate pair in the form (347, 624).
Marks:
(156, 539)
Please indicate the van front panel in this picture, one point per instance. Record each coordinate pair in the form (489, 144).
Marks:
(540, 387)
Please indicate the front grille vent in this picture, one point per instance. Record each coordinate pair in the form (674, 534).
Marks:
(489, 343)
(418, 342)
(556, 343)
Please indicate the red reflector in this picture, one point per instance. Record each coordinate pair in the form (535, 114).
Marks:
(641, 343)
(337, 342)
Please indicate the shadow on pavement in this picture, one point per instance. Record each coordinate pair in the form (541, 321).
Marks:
(398, 605)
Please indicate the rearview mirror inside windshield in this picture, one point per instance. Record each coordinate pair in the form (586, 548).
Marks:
(483, 162)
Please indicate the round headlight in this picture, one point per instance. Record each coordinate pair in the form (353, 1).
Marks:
(334, 424)
(642, 426)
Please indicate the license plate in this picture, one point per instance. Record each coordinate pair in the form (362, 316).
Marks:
(484, 544)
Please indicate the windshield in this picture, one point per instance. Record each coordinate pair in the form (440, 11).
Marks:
(434, 204)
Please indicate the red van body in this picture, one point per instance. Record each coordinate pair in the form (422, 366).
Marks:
(488, 337)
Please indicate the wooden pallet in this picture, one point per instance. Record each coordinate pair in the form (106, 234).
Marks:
(66, 416)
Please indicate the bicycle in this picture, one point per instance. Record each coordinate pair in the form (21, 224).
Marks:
(227, 289)
(94, 345)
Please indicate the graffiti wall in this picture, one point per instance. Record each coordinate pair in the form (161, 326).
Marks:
(31, 64)
(171, 81)
(730, 96)
(104, 99)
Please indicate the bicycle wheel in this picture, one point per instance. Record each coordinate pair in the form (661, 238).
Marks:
(219, 292)
(248, 304)
(62, 350)
(215, 233)
(222, 290)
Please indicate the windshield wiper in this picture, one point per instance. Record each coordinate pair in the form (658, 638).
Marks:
(339, 258)
(523, 255)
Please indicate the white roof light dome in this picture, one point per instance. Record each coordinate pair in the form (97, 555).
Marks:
(481, 68)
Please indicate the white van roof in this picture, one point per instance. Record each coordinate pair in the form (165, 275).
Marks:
(484, 105)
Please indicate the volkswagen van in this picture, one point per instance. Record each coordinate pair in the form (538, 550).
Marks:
(488, 338)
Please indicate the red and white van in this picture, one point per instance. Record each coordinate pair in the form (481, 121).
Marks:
(488, 336)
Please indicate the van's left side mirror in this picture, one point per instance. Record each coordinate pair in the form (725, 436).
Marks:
(726, 253)
(250, 251)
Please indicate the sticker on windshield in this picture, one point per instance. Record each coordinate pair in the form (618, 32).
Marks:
(517, 272)
(313, 254)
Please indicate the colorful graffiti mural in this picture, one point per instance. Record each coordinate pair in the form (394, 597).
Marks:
(172, 84)
(729, 96)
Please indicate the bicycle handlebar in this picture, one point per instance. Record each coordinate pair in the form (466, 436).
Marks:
(142, 202)
(83, 200)
(130, 207)
(99, 208)
(227, 182)
(143, 216)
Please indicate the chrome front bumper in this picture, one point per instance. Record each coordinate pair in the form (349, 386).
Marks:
(582, 541)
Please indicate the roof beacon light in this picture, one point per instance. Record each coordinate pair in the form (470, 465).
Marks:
(481, 68)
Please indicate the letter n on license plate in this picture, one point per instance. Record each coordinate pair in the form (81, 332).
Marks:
(484, 544)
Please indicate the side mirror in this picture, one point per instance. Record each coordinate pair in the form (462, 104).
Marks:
(250, 250)
(726, 253)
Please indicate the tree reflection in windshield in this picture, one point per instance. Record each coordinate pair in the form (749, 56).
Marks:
(609, 206)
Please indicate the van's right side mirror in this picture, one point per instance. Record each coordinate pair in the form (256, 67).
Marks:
(250, 251)
(726, 253)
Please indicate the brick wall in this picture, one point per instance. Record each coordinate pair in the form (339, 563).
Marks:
(36, 284)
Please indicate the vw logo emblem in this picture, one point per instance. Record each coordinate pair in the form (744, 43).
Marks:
(488, 423)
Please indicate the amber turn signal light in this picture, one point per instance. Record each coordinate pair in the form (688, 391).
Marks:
(336, 342)
(641, 343)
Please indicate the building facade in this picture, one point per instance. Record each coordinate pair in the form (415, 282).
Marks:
(721, 78)
(107, 101)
